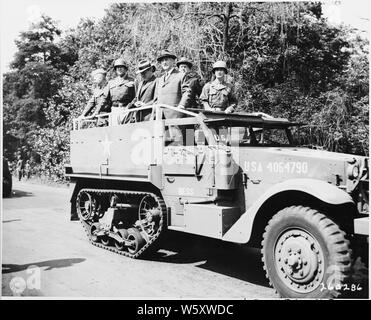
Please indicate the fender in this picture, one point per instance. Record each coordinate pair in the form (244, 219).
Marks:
(241, 231)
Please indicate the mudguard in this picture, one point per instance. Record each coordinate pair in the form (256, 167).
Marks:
(241, 231)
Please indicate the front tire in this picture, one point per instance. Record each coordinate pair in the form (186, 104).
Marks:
(305, 254)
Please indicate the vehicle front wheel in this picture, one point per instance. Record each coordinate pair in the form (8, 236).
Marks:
(305, 254)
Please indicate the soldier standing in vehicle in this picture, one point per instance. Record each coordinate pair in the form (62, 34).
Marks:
(172, 88)
(121, 90)
(98, 102)
(145, 89)
(218, 95)
(195, 83)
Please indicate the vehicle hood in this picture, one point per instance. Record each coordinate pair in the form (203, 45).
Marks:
(276, 164)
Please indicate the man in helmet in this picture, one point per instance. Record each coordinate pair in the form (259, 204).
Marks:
(194, 80)
(218, 95)
(98, 102)
(121, 90)
(172, 88)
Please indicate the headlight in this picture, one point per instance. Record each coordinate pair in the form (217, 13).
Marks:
(353, 172)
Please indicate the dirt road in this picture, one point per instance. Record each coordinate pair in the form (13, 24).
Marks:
(45, 254)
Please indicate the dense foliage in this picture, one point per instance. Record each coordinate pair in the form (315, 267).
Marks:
(284, 60)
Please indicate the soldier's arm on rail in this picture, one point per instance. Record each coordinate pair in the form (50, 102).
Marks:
(232, 102)
(89, 106)
(132, 104)
(102, 104)
(204, 97)
(107, 104)
(186, 93)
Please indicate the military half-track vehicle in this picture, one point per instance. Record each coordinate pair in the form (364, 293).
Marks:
(235, 177)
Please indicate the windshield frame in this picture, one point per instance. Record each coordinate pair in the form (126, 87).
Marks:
(215, 127)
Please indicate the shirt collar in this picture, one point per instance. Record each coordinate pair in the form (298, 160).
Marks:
(150, 79)
(218, 84)
(169, 72)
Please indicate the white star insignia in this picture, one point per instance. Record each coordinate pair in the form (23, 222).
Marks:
(106, 146)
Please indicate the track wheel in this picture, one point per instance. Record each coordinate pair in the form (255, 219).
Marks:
(305, 254)
(93, 231)
(136, 240)
(124, 234)
(106, 240)
(150, 215)
(86, 205)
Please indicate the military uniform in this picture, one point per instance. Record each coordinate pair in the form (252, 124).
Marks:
(195, 84)
(121, 91)
(98, 102)
(219, 96)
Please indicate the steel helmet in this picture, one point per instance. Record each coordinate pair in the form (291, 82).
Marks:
(98, 71)
(220, 65)
(120, 63)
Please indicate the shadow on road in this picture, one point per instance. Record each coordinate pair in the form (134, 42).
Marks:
(236, 261)
(50, 264)
(20, 194)
(225, 258)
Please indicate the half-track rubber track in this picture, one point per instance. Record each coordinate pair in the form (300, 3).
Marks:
(87, 224)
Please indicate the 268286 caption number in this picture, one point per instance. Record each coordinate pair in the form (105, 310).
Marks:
(342, 287)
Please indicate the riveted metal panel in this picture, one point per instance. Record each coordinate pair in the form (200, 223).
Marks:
(118, 150)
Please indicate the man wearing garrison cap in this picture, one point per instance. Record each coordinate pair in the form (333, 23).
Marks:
(98, 102)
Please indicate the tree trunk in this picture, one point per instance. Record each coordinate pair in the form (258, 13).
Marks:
(227, 15)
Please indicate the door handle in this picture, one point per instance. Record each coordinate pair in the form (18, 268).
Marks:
(244, 180)
(100, 168)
